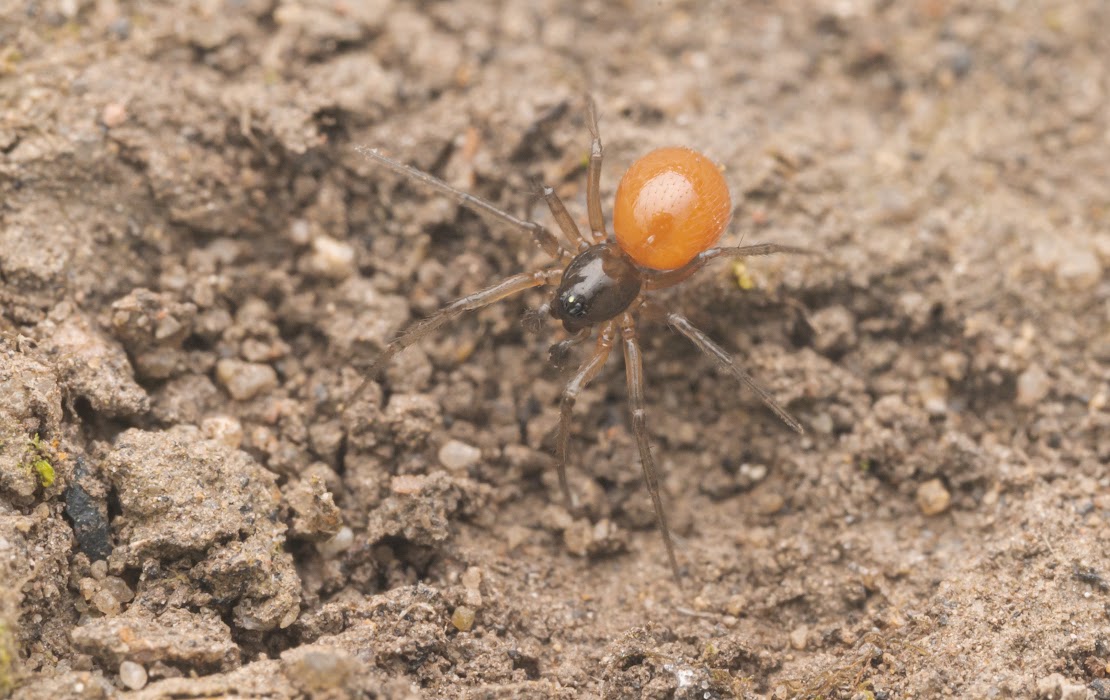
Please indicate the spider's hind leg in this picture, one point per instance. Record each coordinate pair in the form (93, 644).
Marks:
(634, 373)
(724, 360)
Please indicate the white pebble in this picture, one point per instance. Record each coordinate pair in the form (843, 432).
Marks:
(799, 637)
(458, 456)
(753, 472)
(132, 675)
(934, 395)
(332, 258)
(1032, 386)
(472, 581)
(338, 544)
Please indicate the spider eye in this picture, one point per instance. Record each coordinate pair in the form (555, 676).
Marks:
(574, 305)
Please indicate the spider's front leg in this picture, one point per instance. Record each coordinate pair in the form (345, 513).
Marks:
(593, 177)
(543, 238)
(585, 374)
(502, 290)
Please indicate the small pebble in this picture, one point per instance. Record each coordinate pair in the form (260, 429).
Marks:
(1032, 386)
(407, 484)
(114, 114)
(769, 503)
(822, 423)
(1078, 268)
(473, 598)
(752, 473)
(99, 569)
(458, 456)
(577, 537)
(245, 380)
(835, 329)
(934, 395)
(132, 675)
(338, 544)
(300, 231)
(167, 327)
(224, 429)
(933, 498)
(118, 588)
(953, 364)
(332, 258)
(472, 577)
(799, 637)
(735, 606)
(472, 581)
(599, 539)
(462, 618)
(88, 588)
(106, 603)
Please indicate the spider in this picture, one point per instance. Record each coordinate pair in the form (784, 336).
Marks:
(671, 207)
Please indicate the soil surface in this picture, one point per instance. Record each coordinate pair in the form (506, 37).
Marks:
(196, 267)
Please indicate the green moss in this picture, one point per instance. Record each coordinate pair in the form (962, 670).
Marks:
(45, 471)
(40, 462)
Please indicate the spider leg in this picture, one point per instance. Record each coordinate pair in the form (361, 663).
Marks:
(541, 235)
(593, 176)
(585, 374)
(558, 353)
(669, 278)
(503, 289)
(564, 219)
(533, 319)
(634, 373)
(681, 324)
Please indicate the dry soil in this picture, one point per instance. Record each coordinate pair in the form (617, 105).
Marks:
(196, 265)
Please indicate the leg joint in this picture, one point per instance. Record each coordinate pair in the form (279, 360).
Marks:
(639, 418)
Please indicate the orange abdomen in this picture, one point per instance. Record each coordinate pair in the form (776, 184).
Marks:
(671, 205)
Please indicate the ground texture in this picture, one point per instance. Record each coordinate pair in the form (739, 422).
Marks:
(196, 264)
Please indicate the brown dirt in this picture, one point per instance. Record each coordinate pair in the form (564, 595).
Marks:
(194, 263)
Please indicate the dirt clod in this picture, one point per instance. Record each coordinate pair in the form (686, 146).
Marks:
(315, 515)
(174, 637)
(180, 493)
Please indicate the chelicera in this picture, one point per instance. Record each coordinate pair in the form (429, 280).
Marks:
(671, 207)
